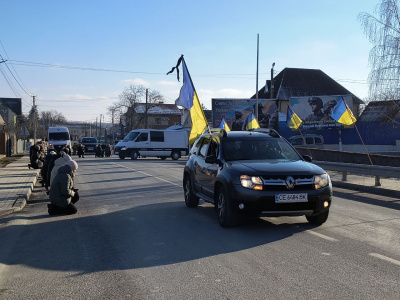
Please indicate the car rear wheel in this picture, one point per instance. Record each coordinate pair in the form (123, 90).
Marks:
(318, 219)
(175, 155)
(191, 199)
(134, 155)
(227, 215)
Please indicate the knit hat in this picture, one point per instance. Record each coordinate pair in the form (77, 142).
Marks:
(73, 164)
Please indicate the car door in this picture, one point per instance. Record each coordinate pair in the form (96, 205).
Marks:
(142, 143)
(211, 169)
(199, 165)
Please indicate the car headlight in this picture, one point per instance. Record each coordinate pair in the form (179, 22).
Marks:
(251, 182)
(123, 148)
(321, 181)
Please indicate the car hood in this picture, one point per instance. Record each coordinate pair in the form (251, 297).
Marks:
(298, 167)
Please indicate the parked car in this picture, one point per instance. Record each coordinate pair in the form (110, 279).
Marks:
(310, 139)
(253, 173)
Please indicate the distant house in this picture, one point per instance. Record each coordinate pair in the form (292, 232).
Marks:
(10, 109)
(154, 116)
(296, 82)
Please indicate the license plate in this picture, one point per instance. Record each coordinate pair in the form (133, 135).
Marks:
(90, 148)
(290, 198)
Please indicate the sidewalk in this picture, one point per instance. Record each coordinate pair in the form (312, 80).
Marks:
(16, 185)
(17, 182)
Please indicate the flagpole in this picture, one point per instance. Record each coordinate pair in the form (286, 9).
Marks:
(369, 157)
(256, 107)
(304, 141)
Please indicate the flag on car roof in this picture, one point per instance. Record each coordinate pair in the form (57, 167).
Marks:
(342, 114)
(224, 125)
(251, 122)
(188, 98)
(293, 120)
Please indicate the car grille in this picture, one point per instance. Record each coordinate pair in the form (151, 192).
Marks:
(279, 183)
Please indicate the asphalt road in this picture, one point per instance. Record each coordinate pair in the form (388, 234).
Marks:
(134, 238)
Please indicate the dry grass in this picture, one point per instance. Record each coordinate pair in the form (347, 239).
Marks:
(4, 161)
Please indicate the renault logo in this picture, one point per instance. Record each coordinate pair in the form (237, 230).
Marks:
(290, 182)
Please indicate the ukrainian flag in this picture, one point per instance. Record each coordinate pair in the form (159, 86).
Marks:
(342, 114)
(188, 99)
(224, 125)
(293, 120)
(251, 122)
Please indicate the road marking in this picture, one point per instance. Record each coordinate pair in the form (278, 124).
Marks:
(162, 179)
(325, 237)
(385, 258)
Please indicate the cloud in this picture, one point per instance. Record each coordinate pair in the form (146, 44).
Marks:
(169, 83)
(138, 81)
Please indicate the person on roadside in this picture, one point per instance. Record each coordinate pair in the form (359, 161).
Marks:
(59, 162)
(36, 158)
(45, 168)
(62, 194)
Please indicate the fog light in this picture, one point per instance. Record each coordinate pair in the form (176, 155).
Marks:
(241, 206)
(326, 204)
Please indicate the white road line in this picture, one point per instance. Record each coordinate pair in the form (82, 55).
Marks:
(162, 179)
(322, 236)
(385, 258)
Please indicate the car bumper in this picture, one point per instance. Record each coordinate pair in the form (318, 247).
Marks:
(248, 200)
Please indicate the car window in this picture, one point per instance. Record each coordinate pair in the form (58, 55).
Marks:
(157, 136)
(131, 136)
(297, 141)
(143, 137)
(204, 147)
(318, 141)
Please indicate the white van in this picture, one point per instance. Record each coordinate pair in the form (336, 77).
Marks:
(58, 138)
(153, 142)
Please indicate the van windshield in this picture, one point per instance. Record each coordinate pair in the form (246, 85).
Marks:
(58, 136)
(131, 136)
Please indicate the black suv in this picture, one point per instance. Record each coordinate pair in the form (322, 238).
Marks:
(255, 173)
(90, 143)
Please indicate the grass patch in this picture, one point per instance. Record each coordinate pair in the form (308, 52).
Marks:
(9, 159)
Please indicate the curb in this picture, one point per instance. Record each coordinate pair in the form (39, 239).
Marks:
(368, 189)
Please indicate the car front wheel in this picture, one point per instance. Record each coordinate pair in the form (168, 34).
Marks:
(227, 215)
(318, 219)
(191, 199)
(134, 155)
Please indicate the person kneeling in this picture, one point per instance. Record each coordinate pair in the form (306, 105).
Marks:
(62, 194)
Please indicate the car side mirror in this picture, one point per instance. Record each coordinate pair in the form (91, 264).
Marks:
(307, 158)
(212, 159)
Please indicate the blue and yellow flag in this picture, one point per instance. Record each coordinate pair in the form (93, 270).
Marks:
(224, 125)
(293, 120)
(342, 114)
(188, 99)
(251, 122)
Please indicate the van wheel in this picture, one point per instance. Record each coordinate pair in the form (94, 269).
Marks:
(121, 157)
(134, 155)
(175, 155)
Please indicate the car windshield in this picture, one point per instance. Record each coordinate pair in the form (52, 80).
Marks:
(258, 149)
(89, 140)
(131, 136)
(58, 136)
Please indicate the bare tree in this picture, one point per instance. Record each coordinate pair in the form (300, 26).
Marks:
(128, 99)
(383, 32)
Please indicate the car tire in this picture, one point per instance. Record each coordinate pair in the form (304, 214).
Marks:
(318, 219)
(134, 155)
(120, 156)
(175, 155)
(191, 200)
(227, 215)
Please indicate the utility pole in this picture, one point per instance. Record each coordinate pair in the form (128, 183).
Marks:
(113, 129)
(147, 96)
(34, 119)
(100, 128)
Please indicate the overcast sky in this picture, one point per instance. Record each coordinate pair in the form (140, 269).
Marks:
(78, 56)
